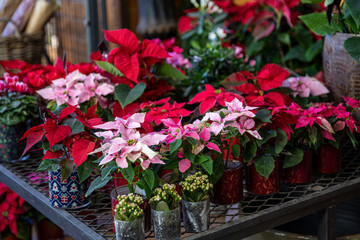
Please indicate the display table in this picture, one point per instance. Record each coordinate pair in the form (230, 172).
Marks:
(254, 214)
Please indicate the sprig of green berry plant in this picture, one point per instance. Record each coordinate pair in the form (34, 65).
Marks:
(196, 187)
(128, 208)
(165, 198)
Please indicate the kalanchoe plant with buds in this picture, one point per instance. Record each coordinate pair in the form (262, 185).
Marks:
(128, 208)
(196, 187)
(165, 198)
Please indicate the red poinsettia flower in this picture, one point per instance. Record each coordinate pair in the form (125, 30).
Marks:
(90, 118)
(131, 55)
(269, 77)
(284, 6)
(174, 111)
(282, 119)
(210, 97)
(53, 129)
(10, 208)
(130, 109)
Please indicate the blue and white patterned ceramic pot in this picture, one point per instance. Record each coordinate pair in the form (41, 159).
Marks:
(69, 193)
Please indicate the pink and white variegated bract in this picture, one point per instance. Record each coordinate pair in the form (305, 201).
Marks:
(124, 142)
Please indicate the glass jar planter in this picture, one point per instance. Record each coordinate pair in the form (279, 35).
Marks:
(166, 224)
(196, 215)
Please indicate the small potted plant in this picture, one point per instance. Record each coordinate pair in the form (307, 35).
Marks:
(165, 212)
(67, 141)
(196, 203)
(17, 105)
(129, 224)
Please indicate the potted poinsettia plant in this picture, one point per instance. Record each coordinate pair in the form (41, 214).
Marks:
(343, 125)
(165, 212)
(66, 140)
(17, 105)
(340, 26)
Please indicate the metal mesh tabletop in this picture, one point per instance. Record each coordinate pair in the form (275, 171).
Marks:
(97, 215)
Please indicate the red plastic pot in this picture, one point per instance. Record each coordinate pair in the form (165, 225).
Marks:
(329, 159)
(229, 189)
(257, 184)
(301, 173)
(145, 206)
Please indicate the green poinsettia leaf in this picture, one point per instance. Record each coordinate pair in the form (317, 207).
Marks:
(264, 115)
(352, 47)
(149, 177)
(49, 165)
(128, 173)
(249, 151)
(125, 95)
(265, 165)
(208, 165)
(96, 184)
(67, 166)
(281, 140)
(85, 170)
(318, 23)
(166, 70)
(175, 145)
(354, 7)
(294, 159)
(109, 67)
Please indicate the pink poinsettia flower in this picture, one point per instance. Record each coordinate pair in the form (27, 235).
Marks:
(175, 130)
(352, 102)
(304, 86)
(124, 142)
(245, 124)
(92, 86)
(134, 121)
(216, 122)
(349, 120)
(236, 109)
(184, 165)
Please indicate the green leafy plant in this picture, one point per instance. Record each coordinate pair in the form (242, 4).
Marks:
(165, 198)
(196, 187)
(340, 16)
(128, 208)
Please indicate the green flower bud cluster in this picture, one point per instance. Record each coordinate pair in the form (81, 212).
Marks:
(167, 194)
(196, 187)
(128, 208)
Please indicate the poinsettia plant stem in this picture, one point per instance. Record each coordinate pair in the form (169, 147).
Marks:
(228, 153)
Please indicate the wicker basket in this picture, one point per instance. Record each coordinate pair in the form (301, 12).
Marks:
(24, 47)
(341, 72)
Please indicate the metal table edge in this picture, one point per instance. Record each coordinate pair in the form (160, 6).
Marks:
(74, 227)
(285, 212)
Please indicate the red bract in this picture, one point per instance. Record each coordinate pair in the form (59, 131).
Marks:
(210, 97)
(80, 150)
(90, 119)
(282, 119)
(130, 109)
(185, 24)
(132, 56)
(283, 6)
(174, 111)
(349, 120)
(269, 77)
(10, 208)
(352, 102)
